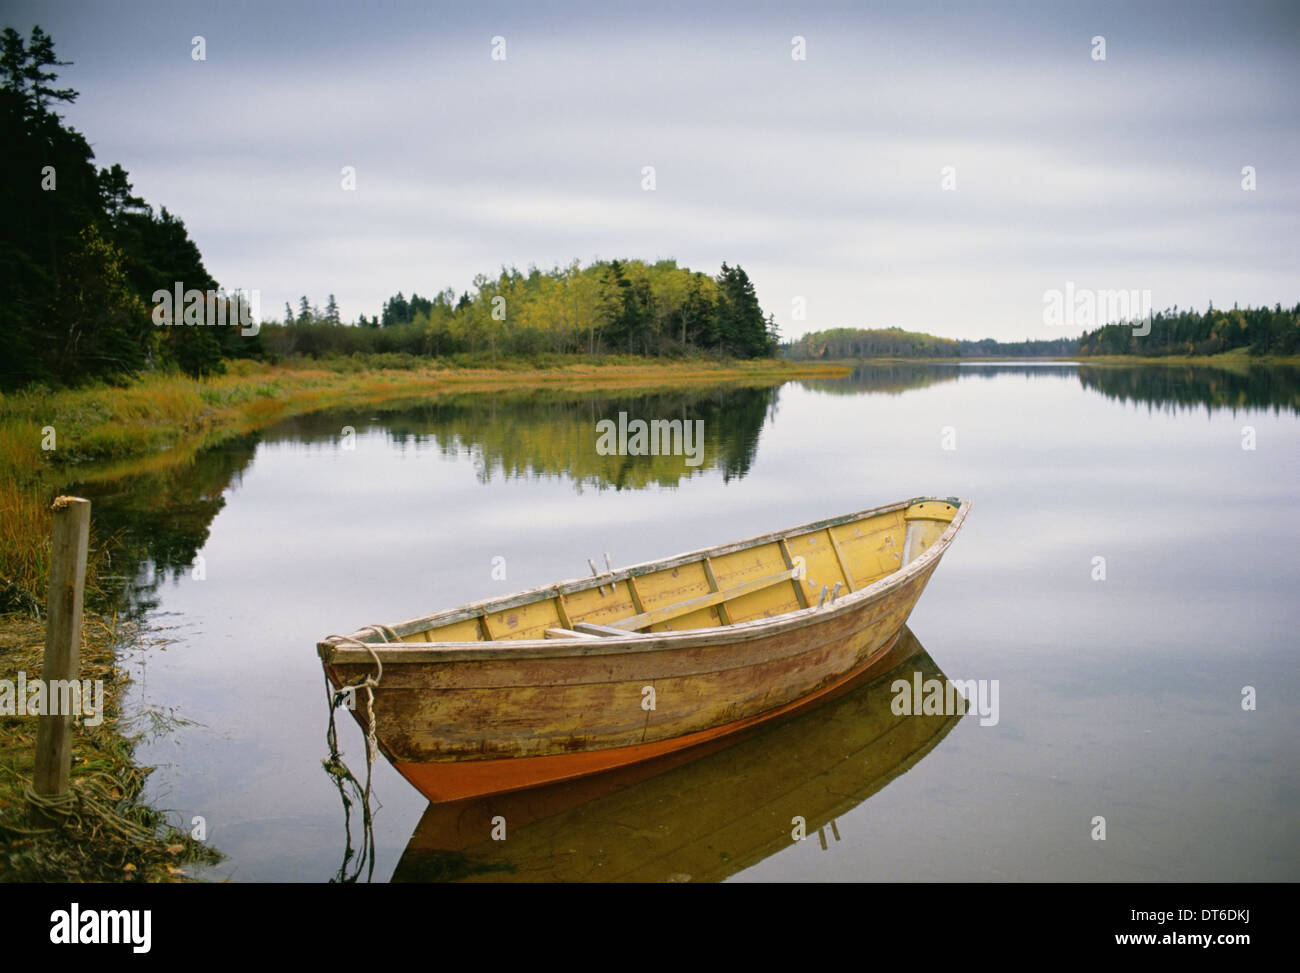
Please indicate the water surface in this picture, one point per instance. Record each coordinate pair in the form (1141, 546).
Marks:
(1119, 698)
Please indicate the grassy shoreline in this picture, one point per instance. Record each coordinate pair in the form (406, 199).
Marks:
(103, 433)
(105, 423)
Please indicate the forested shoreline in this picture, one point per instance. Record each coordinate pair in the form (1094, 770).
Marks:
(88, 266)
(1172, 332)
(609, 307)
(849, 343)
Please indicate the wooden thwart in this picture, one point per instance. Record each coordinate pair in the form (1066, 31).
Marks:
(669, 612)
(586, 629)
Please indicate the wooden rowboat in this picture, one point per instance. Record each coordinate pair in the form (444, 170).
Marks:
(602, 672)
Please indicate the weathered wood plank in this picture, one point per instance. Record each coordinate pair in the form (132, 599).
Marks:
(786, 556)
(713, 586)
(704, 601)
(605, 631)
(636, 595)
(844, 562)
(561, 611)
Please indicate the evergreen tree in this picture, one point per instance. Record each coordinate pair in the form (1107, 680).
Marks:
(115, 195)
(23, 66)
(71, 231)
(395, 311)
(101, 325)
(40, 55)
(742, 331)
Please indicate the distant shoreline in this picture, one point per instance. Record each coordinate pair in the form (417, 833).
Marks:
(1224, 359)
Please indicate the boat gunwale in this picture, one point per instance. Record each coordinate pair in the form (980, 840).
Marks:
(368, 643)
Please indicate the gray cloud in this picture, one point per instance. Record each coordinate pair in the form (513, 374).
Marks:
(821, 177)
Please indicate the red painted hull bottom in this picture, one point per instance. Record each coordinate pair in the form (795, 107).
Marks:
(457, 780)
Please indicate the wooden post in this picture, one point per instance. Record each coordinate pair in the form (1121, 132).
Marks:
(62, 640)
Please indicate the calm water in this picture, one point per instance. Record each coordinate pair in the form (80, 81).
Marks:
(1119, 698)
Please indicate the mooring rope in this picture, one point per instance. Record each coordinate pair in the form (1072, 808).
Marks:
(88, 801)
(63, 805)
(368, 683)
(335, 766)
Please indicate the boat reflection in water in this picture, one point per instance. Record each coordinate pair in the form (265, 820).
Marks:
(688, 817)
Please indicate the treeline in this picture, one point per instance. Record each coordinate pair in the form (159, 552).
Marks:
(608, 307)
(988, 348)
(80, 254)
(1264, 331)
(82, 258)
(847, 343)
(869, 343)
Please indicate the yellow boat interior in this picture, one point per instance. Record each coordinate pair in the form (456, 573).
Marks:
(758, 578)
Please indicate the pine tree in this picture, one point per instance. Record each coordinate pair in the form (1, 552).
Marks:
(40, 52)
(396, 311)
(99, 325)
(115, 194)
(23, 68)
(742, 329)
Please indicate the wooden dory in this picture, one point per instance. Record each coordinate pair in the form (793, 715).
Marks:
(601, 672)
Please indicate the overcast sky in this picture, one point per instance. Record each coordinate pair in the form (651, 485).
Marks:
(821, 177)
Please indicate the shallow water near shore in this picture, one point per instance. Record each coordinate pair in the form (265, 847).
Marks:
(1126, 575)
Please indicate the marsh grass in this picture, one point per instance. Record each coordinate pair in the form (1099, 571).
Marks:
(108, 834)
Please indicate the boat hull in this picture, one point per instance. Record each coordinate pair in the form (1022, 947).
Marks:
(464, 729)
(457, 780)
(461, 721)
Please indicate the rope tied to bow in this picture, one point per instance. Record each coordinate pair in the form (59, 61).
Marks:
(367, 682)
(334, 764)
